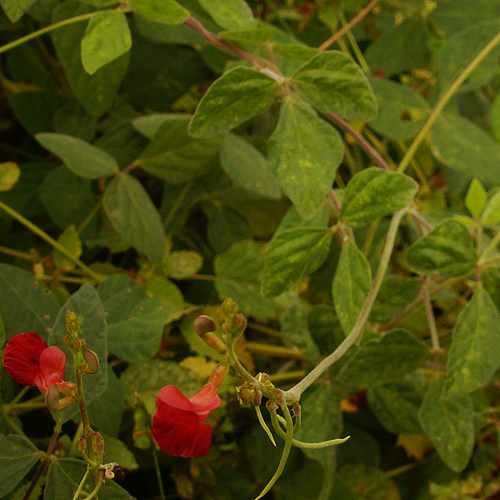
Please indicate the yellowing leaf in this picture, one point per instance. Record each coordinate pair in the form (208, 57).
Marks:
(9, 175)
(415, 445)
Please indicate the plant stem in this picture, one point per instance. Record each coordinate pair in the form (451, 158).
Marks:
(444, 101)
(355, 20)
(158, 471)
(44, 463)
(273, 350)
(82, 484)
(354, 45)
(493, 244)
(51, 241)
(218, 42)
(47, 29)
(295, 392)
(177, 203)
(363, 143)
(16, 253)
(431, 320)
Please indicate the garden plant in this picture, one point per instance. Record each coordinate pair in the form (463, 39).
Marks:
(250, 249)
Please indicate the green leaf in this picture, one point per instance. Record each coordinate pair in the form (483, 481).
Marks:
(86, 304)
(295, 330)
(248, 167)
(26, 305)
(147, 379)
(230, 14)
(449, 424)
(465, 147)
(9, 175)
(367, 483)
(79, 156)
(172, 154)
(161, 11)
(473, 356)
(98, 91)
(238, 95)
(396, 406)
(373, 193)
(460, 49)
(447, 249)
(304, 152)
(297, 249)
(135, 321)
(255, 36)
(68, 199)
(332, 83)
(226, 227)
(325, 328)
(476, 198)
(134, 216)
(65, 475)
(491, 214)
(70, 240)
(116, 450)
(401, 110)
(239, 277)
(395, 293)
(182, 264)
(17, 457)
(389, 53)
(15, 9)
(106, 411)
(351, 284)
(386, 358)
(107, 38)
(3, 337)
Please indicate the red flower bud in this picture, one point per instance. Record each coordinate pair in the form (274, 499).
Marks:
(29, 361)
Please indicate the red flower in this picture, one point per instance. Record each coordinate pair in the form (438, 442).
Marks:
(178, 424)
(30, 362)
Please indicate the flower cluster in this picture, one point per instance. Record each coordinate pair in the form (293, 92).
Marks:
(29, 361)
(179, 422)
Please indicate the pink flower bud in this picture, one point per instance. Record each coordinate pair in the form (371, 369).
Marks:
(204, 324)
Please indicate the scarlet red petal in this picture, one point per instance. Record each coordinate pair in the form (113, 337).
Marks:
(180, 432)
(172, 396)
(22, 355)
(52, 367)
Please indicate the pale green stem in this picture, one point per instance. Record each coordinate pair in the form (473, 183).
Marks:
(295, 392)
(354, 44)
(51, 241)
(94, 492)
(89, 217)
(286, 451)
(276, 419)
(493, 244)
(47, 29)
(76, 496)
(264, 425)
(431, 320)
(444, 101)
(16, 253)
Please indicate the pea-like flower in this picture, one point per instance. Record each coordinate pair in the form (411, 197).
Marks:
(179, 422)
(29, 361)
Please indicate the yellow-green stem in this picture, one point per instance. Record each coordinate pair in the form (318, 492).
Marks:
(444, 101)
(51, 241)
(47, 29)
(286, 451)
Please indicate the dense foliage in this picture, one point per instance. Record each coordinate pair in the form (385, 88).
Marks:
(332, 166)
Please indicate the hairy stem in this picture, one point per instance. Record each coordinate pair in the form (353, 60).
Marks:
(295, 392)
